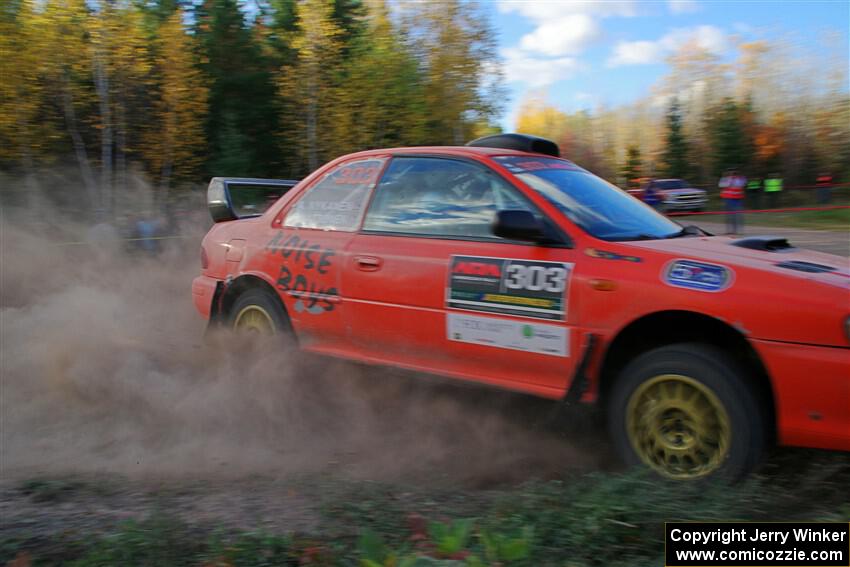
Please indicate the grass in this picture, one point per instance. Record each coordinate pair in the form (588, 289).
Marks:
(597, 519)
(835, 219)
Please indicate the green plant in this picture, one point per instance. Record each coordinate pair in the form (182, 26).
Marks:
(499, 547)
(451, 538)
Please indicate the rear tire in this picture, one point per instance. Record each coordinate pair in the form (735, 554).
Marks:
(688, 412)
(257, 311)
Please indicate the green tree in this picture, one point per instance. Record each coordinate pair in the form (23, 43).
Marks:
(675, 158)
(242, 96)
(633, 167)
(728, 137)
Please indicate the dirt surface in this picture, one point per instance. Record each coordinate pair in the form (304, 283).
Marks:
(113, 406)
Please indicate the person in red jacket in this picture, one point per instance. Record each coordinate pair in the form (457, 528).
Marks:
(732, 193)
(824, 183)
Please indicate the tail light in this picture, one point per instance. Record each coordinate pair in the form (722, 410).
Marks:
(205, 261)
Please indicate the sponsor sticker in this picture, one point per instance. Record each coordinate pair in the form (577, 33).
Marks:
(540, 338)
(529, 288)
(700, 276)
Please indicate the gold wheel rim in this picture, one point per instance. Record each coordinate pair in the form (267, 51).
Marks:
(678, 426)
(254, 319)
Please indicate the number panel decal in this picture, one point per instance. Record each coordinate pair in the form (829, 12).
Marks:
(528, 288)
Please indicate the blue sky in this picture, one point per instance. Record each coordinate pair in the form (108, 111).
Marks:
(578, 54)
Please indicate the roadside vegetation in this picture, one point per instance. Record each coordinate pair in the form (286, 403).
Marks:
(595, 519)
(832, 219)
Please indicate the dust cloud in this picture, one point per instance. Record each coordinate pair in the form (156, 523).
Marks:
(103, 369)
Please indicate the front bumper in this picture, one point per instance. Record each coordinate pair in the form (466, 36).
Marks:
(811, 386)
(203, 292)
(685, 205)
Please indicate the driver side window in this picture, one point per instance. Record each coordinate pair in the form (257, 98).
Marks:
(440, 197)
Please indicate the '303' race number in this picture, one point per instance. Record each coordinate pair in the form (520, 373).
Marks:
(536, 278)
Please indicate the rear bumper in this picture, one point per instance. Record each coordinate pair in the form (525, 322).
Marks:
(203, 291)
(811, 385)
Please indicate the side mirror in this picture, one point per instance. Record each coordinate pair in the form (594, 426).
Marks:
(519, 225)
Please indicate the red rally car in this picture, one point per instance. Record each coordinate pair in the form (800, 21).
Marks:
(501, 263)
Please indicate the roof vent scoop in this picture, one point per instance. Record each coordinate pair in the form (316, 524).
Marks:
(765, 243)
(520, 142)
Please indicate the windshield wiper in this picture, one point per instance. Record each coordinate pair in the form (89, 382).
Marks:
(632, 238)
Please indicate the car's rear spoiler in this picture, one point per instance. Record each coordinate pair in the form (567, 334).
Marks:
(232, 198)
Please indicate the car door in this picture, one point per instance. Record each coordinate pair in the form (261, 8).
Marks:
(429, 286)
(305, 251)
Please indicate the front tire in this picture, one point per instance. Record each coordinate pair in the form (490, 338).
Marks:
(688, 412)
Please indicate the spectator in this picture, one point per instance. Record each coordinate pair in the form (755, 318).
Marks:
(652, 197)
(732, 193)
(824, 188)
(773, 189)
(754, 193)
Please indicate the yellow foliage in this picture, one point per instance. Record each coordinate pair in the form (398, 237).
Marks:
(175, 142)
(539, 118)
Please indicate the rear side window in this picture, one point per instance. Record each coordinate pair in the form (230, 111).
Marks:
(336, 202)
(440, 197)
(251, 199)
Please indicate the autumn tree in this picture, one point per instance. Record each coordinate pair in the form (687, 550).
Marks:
(25, 131)
(539, 118)
(66, 75)
(379, 101)
(120, 66)
(174, 144)
(308, 84)
(456, 48)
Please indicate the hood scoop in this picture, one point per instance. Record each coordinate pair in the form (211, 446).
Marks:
(764, 243)
(808, 267)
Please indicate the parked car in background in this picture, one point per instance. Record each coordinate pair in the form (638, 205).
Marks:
(676, 195)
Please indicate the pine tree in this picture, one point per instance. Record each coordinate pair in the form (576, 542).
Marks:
(242, 95)
(633, 167)
(728, 138)
(675, 159)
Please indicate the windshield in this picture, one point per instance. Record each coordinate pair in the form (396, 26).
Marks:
(595, 205)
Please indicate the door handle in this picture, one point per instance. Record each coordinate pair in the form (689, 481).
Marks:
(368, 263)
